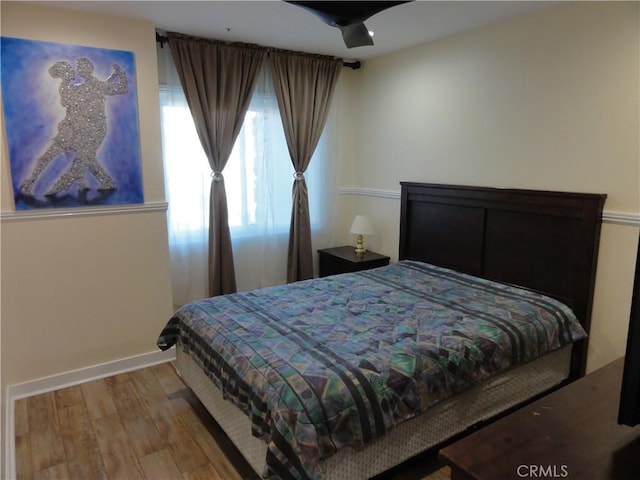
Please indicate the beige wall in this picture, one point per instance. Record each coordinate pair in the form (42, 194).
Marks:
(546, 101)
(78, 291)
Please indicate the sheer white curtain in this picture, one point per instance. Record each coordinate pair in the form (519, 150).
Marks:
(258, 181)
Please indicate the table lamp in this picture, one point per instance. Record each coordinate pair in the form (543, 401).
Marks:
(361, 226)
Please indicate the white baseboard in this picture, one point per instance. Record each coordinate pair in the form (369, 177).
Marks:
(64, 380)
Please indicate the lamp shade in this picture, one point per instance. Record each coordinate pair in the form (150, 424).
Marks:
(361, 225)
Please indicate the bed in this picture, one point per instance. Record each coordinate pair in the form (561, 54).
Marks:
(488, 307)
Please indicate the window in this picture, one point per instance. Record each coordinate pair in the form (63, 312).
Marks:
(257, 176)
(258, 181)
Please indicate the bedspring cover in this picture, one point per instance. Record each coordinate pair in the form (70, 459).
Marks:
(327, 363)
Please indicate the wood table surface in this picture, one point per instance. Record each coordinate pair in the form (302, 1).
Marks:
(571, 433)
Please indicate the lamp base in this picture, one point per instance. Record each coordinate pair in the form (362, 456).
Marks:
(360, 246)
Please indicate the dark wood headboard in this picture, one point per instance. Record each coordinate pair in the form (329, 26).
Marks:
(545, 241)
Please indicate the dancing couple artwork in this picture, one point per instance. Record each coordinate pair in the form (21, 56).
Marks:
(72, 124)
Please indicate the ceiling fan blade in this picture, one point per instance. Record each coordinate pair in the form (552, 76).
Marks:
(356, 35)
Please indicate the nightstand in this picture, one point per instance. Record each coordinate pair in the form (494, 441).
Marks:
(333, 261)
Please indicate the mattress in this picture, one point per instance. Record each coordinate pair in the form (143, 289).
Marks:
(443, 421)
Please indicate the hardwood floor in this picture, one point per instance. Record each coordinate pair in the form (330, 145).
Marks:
(144, 424)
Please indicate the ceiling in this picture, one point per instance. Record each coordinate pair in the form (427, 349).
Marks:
(275, 23)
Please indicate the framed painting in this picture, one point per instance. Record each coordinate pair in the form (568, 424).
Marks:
(71, 119)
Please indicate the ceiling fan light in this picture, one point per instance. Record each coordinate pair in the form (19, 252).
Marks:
(356, 36)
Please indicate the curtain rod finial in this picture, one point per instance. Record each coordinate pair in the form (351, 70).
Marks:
(161, 39)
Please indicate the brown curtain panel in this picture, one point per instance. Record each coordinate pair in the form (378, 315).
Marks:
(218, 80)
(304, 85)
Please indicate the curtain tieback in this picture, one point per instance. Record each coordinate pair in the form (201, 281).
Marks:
(298, 176)
(216, 176)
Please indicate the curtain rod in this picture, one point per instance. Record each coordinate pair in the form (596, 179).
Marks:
(355, 65)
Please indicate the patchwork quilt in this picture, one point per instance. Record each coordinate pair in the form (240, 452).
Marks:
(326, 363)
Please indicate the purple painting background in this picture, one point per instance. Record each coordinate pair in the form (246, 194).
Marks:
(32, 111)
